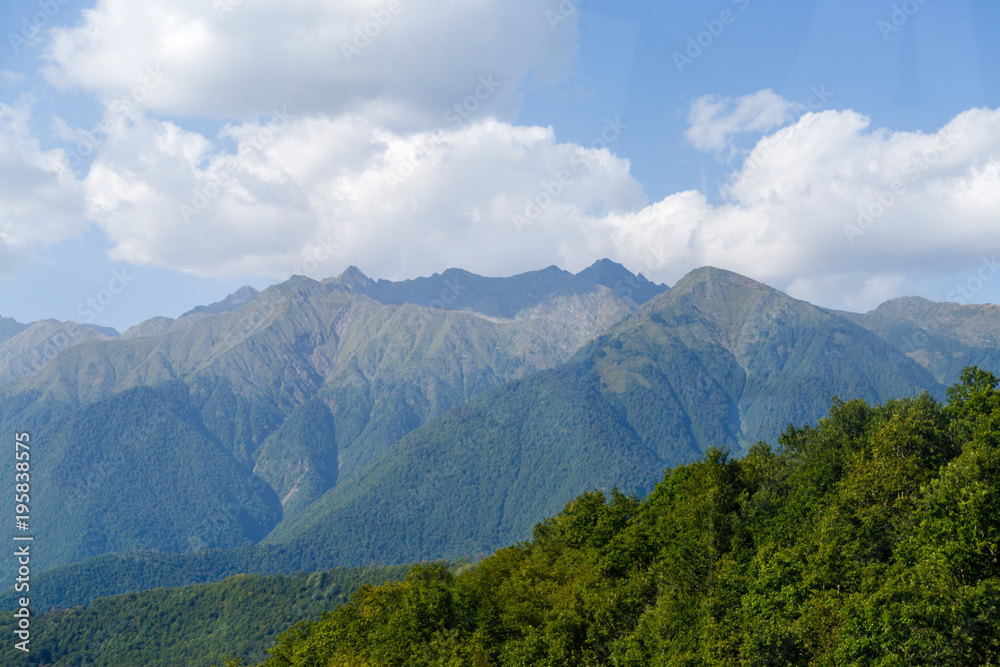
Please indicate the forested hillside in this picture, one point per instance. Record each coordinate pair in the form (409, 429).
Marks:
(354, 421)
(190, 626)
(718, 361)
(243, 413)
(869, 539)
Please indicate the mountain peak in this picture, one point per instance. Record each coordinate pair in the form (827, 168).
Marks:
(353, 279)
(903, 303)
(10, 327)
(731, 300)
(613, 275)
(354, 273)
(718, 278)
(604, 264)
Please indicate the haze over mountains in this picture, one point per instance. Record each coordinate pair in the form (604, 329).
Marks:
(353, 421)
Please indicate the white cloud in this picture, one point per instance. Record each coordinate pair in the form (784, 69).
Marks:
(822, 205)
(41, 201)
(802, 213)
(836, 213)
(303, 54)
(714, 121)
(396, 204)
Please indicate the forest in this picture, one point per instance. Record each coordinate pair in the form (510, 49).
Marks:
(185, 625)
(871, 538)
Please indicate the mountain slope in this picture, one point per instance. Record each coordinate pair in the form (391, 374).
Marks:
(942, 337)
(283, 398)
(479, 476)
(9, 326)
(719, 360)
(869, 539)
(138, 472)
(237, 299)
(157, 326)
(30, 347)
(239, 616)
(777, 360)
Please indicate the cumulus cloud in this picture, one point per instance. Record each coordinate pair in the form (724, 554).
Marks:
(826, 207)
(373, 163)
(487, 196)
(41, 200)
(235, 60)
(714, 121)
(836, 212)
(367, 78)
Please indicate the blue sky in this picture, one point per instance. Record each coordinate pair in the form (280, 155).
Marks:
(607, 130)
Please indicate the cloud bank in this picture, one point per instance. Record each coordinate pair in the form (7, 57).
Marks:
(400, 154)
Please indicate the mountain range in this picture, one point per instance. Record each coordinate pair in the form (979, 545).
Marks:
(354, 421)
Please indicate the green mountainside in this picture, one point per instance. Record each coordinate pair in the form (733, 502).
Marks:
(775, 359)
(869, 539)
(944, 338)
(138, 471)
(221, 425)
(352, 421)
(190, 626)
(718, 361)
(25, 349)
